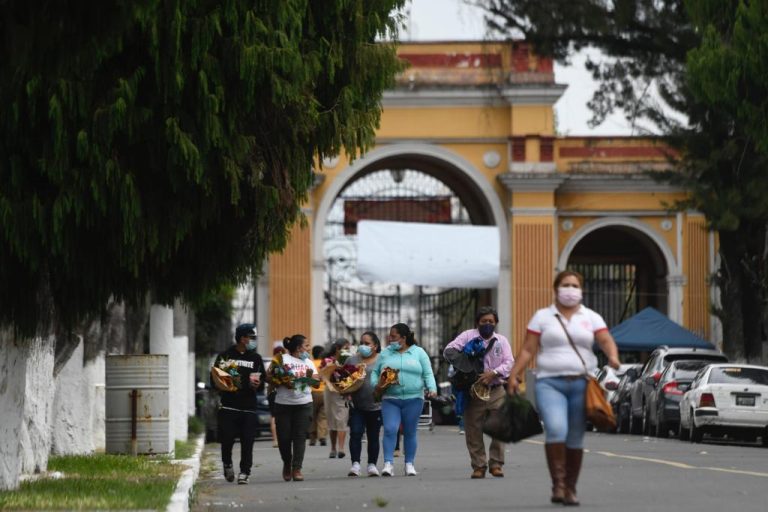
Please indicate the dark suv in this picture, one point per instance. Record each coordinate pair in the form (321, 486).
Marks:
(640, 415)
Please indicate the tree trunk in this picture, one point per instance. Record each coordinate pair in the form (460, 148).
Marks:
(742, 281)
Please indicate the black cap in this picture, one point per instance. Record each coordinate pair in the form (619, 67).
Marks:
(245, 330)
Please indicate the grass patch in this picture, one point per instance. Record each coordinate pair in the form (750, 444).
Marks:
(184, 449)
(98, 482)
(380, 502)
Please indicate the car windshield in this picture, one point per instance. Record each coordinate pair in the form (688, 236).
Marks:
(738, 375)
(685, 370)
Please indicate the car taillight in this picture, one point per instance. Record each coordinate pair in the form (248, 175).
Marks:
(656, 377)
(670, 388)
(707, 400)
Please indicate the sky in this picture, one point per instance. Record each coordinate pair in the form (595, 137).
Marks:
(440, 20)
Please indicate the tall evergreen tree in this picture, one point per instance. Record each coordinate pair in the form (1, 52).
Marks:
(166, 146)
(705, 59)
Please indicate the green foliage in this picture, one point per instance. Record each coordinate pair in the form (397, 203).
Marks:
(195, 426)
(166, 146)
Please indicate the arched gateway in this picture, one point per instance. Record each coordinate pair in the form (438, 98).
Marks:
(478, 117)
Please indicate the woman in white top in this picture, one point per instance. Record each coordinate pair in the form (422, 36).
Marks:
(560, 377)
(293, 405)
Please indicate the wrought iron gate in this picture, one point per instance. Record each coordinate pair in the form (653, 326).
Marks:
(436, 318)
(610, 289)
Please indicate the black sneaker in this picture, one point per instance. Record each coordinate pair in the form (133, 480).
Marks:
(242, 479)
(229, 474)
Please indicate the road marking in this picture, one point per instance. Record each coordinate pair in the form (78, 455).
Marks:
(672, 463)
(646, 459)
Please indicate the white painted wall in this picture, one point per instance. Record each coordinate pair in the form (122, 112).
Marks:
(191, 383)
(71, 431)
(161, 342)
(12, 386)
(178, 370)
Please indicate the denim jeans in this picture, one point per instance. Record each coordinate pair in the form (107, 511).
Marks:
(407, 412)
(360, 422)
(561, 408)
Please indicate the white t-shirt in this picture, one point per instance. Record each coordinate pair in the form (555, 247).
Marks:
(299, 368)
(556, 357)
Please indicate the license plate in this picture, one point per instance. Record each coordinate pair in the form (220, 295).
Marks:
(745, 400)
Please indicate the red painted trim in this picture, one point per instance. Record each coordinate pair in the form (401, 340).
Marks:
(459, 60)
(613, 152)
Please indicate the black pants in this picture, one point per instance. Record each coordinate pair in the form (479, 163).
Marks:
(360, 422)
(240, 424)
(292, 424)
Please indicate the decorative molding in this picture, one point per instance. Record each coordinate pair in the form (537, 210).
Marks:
(677, 280)
(472, 96)
(331, 162)
(607, 182)
(532, 212)
(491, 159)
(380, 141)
(567, 225)
(614, 213)
(532, 167)
(317, 180)
(531, 182)
(666, 224)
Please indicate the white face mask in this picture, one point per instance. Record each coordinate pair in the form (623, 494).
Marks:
(568, 296)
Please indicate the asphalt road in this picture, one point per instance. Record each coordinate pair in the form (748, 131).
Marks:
(621, 473)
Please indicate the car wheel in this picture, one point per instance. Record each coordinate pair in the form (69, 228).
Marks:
(682, 432)
(765, 437)
(695, 432)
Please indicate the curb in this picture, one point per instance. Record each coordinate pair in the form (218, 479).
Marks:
(180, 498)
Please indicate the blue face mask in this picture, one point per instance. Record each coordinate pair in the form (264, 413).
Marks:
(394, 345)
(486, 330)
(365, 350)
(252, 345)
(304, 355)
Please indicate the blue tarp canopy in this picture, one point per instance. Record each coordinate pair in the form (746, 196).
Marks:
(649, 329)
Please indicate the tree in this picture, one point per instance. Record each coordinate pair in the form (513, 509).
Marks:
(705, 59)
(166, 146)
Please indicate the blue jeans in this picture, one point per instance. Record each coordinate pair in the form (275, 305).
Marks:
(394, 412)
(368, 422)
(561, 408)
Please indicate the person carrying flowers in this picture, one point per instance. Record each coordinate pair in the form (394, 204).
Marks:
(365, 413)
(236, 373)
(293, 375)
(336, 412)
(403, 375)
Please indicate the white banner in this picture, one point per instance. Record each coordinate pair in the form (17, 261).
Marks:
(428, 254)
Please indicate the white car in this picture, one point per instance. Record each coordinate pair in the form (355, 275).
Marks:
(726, 399)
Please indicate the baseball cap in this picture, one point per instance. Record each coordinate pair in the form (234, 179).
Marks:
(245, 330)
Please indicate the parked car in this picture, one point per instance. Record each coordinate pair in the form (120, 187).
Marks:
(207, 408)
(620, 399)
(608, 378)
(664, 400)
(649, 377)
(726, 399)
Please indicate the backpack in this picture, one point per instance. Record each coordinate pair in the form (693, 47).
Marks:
(463, 380)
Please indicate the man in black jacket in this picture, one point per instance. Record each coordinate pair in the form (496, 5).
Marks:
(237, 412)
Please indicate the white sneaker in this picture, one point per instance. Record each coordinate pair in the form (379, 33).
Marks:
(354, 470)
(410, 470)
(372, 471)
(387, 470)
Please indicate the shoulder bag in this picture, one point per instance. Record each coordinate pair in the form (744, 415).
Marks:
(598, 410)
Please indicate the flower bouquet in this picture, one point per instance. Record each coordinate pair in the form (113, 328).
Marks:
(342, 377)
(225, 375)
(281, 374)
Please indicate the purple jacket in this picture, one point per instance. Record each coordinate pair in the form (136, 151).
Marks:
(499, 358)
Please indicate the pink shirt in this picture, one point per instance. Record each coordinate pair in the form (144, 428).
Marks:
(499, 358)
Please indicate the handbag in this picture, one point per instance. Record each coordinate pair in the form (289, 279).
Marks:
(514, 421)
(463, 380)
(598, 410)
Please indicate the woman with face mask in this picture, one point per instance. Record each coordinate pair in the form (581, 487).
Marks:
(365, 411)
(402, 401)
(336, 411)
(293, 406)
(560, 382)
(491, 354)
